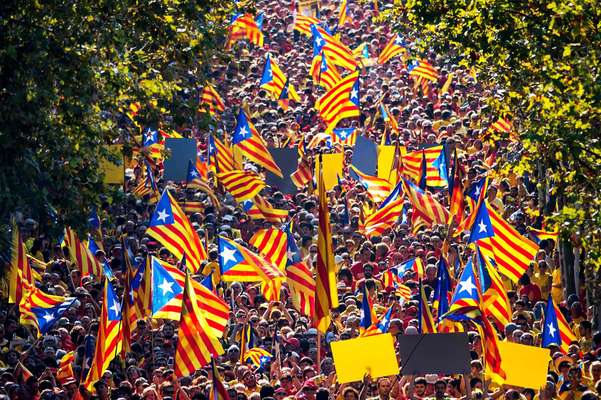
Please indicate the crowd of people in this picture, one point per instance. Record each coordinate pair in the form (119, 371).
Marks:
(302, 365)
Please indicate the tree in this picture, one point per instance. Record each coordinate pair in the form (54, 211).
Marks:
(70, 71)
(545, 56)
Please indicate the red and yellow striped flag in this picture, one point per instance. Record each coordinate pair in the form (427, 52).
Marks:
(303, 174)
(21, 274)
(425, 208)
(272, 244)
(211, 101)
(394, 47)
(196, 345)
(326, 291)
(340, 102)
(243, 185)
(302, 24)
(80, 255)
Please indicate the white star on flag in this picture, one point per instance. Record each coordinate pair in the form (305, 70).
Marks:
(552, 330)
(116, 308)
(163, 215)
(354, 93)
(48, 317)
(243, 131)
(481, 227)
(165, 287)
(467, 286)
(228, 255)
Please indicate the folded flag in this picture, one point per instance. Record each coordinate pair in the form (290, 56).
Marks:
(42, 310)
(299, 277)
(425, 206)
(425, 320)
(260, 208)
(221, 157)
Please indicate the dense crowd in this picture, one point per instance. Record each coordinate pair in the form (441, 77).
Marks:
(459, 118)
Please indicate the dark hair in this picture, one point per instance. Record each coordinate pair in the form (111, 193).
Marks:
(267, 392)
(322, 394)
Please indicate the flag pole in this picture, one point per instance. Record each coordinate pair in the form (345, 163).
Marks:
(318, 367)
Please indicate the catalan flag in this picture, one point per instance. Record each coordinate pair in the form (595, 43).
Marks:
(465, 303)
(333, 48)
(257, 356)
(246, 26)
(42, 310)
(436, 166)
(326, 292)
(211, 101)
(221, 156)
(237, 263)
(378, 189)
(492, 355)
(80, 255)
(146, 184)
(340, 102)
(170, 226)
(343, 15)
(503, 124)
(196, 345)
(499, 241)
(344, 136)
(422, 69)
(425, 320)
(243, 185)
(539, 235)
(274, 81)
(260, 208)
(251, 144)
(383, 219)
(167, 294)
(303, 174)
(395, 46)
(324, 73)
(21, 276)
(556, 329)
(388, 118)
(425, 206)
(403, 291)
(272, 244)
(475, 195)
(442, 291)
(109, 339)
(414, 264)
(299, 278)
(494, 294)
(194, 180)
(368, 315)
(152, 142)
(284, 99)
(456, 197)
(302, 24)
(218, 391)
(65, 368)
(140, 288)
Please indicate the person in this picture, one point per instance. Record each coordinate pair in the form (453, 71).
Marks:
(572, 388)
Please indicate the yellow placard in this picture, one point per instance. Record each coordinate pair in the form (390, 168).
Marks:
(385, 161)
(332, 169)
(525, 366)
(373, 355)
(114, 172)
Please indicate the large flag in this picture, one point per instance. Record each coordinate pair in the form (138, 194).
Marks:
(425, 206)
(340, 102)
(494, 295)
(556, 329)
(324, 72)
(167, 294)
(395, 46)
(237, 263)
(245, 26)
(196, 345)
(171, 227)
(299, 278)
(384, 218)
(21, 276)
(333, 48)
(210, 101)
(502, 243)
(272, 243)
(326, 291)
(243, 185)
(194, 180)
(425, 320)
(274, 81)
(109, 339)
(42, 310)
(436, 166)
(465, 304)
(378, 189)
(251, 144)
(81, 255)
(422, 69)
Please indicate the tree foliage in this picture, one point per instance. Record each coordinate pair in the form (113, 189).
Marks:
(69, 73)
(545, 57)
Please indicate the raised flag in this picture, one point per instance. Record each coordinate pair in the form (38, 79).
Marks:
(324, 72)
(246, 27)
(171, 227)
(343, 15)
(378, 189)
(556, 329)
(326, 291)
(425, 320)
(340, 102)
(456, 197)
(211, 101)
(435, 160)
(109, 339)
(302, 24)
(251, 144)
(194, 180)
(257, 356)
(21, 275)
(221, 157)
(368, 319)
(333, 48)
(81, 255)
(465, 303)
(344, 136)
(196, 345)
(218, 390)
(42, 310)
(260, 208)
(384, 323)
(303, 174)
(538, 235)
(509, 250)
(274, 81)
(425, 206)
(394, 47)
(299, 277)
(494, 295)
(243, 185)
(383, 219)
(423, 69)
(272, 244)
